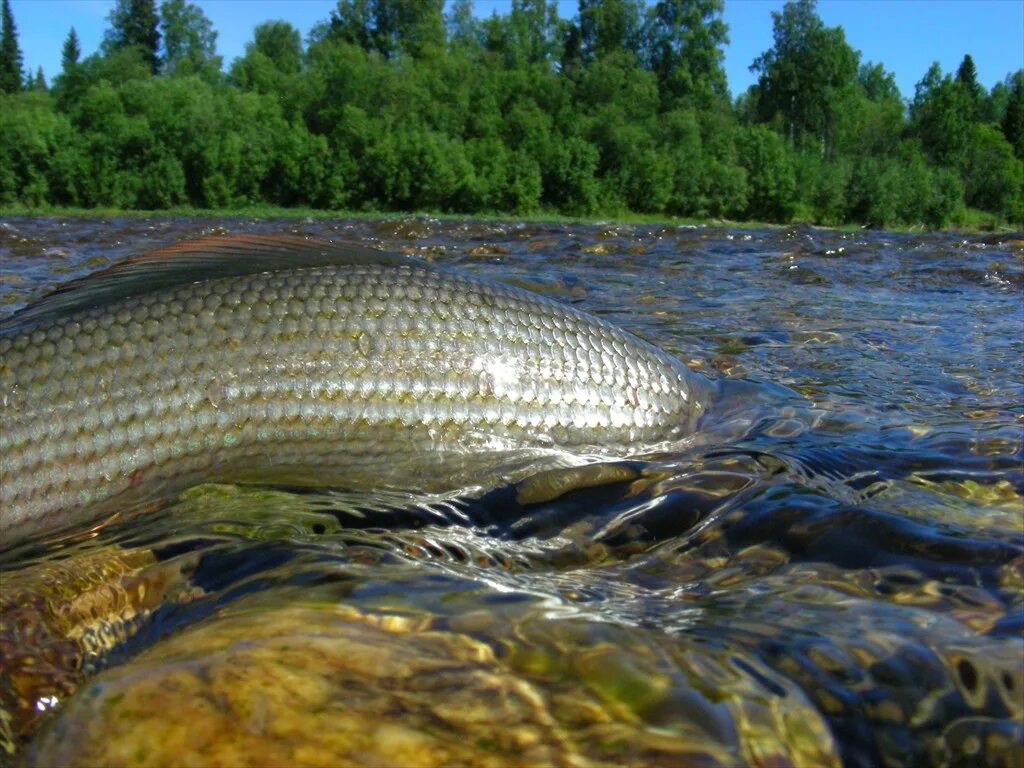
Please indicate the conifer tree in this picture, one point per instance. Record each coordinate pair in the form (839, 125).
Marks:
(10, 54)
(39, 81)
(70, 52)
(135, 23)
(71, 82)
(967, 77)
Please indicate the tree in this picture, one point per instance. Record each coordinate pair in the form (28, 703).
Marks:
(878, 84)
(38, 83)
(572, 51)
(608, 26)
(532, 32)
(71, 82)
(994, 108)
(281, 43)
(868, 118)
(33, 133)
(352, 22)
(271, 59)
(134, 23)
(462, 29)
(806, 75)
(71, 52)
(10, 54)
(967, 79)
(770, 180)
(389, 27)
(1013, 118)
(939, 118)
(190, 42)
(993, 177)
(684, 42)
(272, 65)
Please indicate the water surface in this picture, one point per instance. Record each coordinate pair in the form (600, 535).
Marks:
(833, 573)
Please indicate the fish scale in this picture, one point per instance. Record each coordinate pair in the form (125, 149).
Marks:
(397, 371)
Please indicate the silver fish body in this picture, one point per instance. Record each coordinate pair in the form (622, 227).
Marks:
(313, 369)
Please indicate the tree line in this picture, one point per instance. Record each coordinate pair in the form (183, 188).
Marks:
(397, 105)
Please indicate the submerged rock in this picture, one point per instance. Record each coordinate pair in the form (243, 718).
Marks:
(312, 683)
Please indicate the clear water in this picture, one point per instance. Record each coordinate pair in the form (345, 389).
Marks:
(834, 576)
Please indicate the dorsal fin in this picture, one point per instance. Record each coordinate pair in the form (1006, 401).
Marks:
(192, 261)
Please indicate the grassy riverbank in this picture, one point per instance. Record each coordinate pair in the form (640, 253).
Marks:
(974, 221)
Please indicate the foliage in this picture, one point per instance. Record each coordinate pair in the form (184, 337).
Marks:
(993, 177)
(1013, 116)
(388, 27)
(940, 118)
(805, 76)
(771, 182)
(967, 79)
(71, 51)
(609, 26)
(10, 54)
(271, 62)
(134, 23)
(33, 135)
(190, 42)
(685, 39)
(417, 104)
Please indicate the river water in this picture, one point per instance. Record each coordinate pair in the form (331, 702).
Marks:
(834, 575)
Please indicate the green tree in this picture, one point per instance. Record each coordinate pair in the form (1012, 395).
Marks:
(771, 183)
(967, 79)
(70, 52)
(806, 76)
(38, 82)
(939, 117)
(134, 23)
(699, 149)
(1013, 117)
(281, 43)
(461, 27)
(993, 177)
(10, 54)
(33, 133)
(389, 27)
(684, 49)
(190, 42)
(994, 107)
(529, 34)
(878, 84)
(869, 117)
(607, 26)
(118, 66)
(352, 22)
(272, 63)
(874, 192)
(69, 84)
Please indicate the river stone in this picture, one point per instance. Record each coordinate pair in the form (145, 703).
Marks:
(324, 684)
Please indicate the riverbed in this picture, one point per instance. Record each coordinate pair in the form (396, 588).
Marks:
(833, 574)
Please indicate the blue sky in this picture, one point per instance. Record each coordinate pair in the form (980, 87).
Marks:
(905, 35)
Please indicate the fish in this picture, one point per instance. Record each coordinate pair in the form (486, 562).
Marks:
(286, 359)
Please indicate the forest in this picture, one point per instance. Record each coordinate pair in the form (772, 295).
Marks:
(418, 105)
